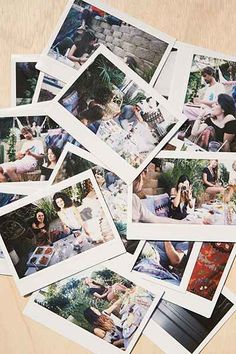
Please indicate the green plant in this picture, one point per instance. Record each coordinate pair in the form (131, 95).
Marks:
(194, 84)
(11, 152)
(139, 97)
(148, 74)
(47, 205)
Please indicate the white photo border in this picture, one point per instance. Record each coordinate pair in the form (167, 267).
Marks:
(63, 72)
(74, 264)
(178, 231)
(78, 334)
(170, 345)
(87, 138)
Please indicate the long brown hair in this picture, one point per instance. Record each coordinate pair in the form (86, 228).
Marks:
(104, 322)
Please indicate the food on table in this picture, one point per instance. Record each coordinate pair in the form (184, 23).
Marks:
(39, 250)
(48, 250)
(43, 260)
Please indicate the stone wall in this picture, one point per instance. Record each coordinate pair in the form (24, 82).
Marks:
(127, 40)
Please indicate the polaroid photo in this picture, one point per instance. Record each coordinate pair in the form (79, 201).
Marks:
(167, 264)
(47, 88)
(24, 76)
(204, 89)
(187, 197)
(75, 160)
(104, 308)
(176, 330)
(115, 115)
(30, 143)
(84, 26)
(207, 279)
(57, 232)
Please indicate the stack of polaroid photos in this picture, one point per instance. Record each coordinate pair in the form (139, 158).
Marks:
(120, 138)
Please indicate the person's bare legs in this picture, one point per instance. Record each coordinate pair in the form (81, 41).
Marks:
(212, 191)
(11, 172)
(2, 177)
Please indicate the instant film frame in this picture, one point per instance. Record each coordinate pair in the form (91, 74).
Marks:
(31, 110)
(183, 282)
(85, 155)
(20, 59)
(64, 72)
(47, 88)
(182, 69)
(199, 304)
(182, 296)
(170, 345)
(79, 335)
(197, 227)
(67, 267)
(101, 149)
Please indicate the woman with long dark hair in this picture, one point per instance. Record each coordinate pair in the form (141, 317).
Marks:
(40, 228)
(81, 49)
(219, 126)
(53, 154)
(104, 326)
(180, 198)
(68, 214)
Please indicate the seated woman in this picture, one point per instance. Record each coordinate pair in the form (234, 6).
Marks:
(69, 215)
(53, 154)
(210, 179)
(81, 50)
(104, 326)
(232, 174)
(219, 126)
(180, 198)
(40, 228)
(104, 292)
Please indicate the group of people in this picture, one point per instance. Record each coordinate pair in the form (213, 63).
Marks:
(70, 219)
(181, 196)
(212, 118)
(115, 329)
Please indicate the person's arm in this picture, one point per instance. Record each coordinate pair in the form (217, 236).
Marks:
(175, 256)
(100, 296)
(203, 102)
(190, 196)
(71, 54)
(138, 115)
(63, 221)
(99, 332)
(198, 127)
(78, 216)
(228, 138)
(176, 195)
(142, 214)
(205, 181)
(36, 156)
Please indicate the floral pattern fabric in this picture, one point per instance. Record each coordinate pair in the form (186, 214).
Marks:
(209, 268)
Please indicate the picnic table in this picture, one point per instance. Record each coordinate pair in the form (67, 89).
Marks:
(63, 249)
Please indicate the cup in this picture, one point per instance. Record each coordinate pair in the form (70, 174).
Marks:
(214, 146)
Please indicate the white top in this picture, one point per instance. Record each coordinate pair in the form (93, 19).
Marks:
(35, 146)
(212, 92)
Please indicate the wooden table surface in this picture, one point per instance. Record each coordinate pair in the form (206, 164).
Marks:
(25, 27)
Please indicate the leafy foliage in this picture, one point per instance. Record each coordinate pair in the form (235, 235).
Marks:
(194, 84)
(11, 152)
